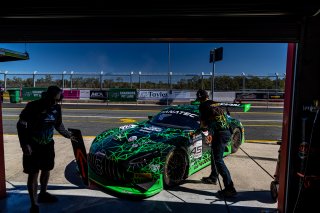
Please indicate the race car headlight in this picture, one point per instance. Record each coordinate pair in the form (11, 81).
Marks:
(143, 159)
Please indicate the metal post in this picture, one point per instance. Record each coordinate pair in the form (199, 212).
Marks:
(169, 71)
(243, 82)
(131, 79)
(101, 73)
(277, 82)
(169, 86)
(202, 74)
(212, 80)
(5, 80)
(170, 80)
(63, 73)
(139, 79)
(34, 78)
(2, 164)
(71, 73)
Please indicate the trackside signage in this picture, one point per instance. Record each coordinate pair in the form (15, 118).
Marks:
(99, 94)
(71, 94)
(84, 94)
(152, 95)
(30, 94)
(122, 94)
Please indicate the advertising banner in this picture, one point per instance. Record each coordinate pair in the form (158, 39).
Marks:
(152, 95)
(122, 95)
(30, 94)
(84, 94)
(180, 95)
(71, 94)
(217, 96)
(259, 95)
(224, 96)
(99, 94)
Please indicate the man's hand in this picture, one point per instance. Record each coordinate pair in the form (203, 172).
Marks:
(27, 150)
(208, 139)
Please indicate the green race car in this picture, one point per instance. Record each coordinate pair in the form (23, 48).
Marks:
(144, 157)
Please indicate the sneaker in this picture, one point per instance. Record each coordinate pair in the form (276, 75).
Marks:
(34, 209)
(46, 198)
(227, 193)
(209, 180)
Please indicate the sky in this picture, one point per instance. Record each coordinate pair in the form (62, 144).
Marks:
(260, 59)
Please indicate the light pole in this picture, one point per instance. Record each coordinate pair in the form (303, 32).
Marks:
(101, 74)
(131, 73)
(170, 80)
(63, 73)
(215, 55)
(71, 73)
(5, 80)
(34, 78)
(277, 82)
(139, 79)
(212, 80)
(243, 82)
(202, 74)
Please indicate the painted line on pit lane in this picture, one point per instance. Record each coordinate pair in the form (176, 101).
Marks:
(262, 125)
(90, 116)
(93, 109)
(56, 135)
(104, 116)
(139, 110)
(92, 137)
(244, 120)
(261, 141)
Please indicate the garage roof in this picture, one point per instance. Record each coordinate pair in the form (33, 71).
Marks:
(77, 21)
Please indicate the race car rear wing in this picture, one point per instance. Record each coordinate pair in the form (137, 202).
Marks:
(246, 107)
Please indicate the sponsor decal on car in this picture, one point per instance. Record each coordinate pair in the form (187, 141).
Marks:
(135, 145)
(132, 138)
(150, 129)
(196, 149)
(142, 176)
(154, 167)
(179, 113)
(129, 126)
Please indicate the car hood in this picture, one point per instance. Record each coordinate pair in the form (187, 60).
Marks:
(131, 140)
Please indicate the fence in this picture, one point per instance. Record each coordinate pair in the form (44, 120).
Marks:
(143, 81)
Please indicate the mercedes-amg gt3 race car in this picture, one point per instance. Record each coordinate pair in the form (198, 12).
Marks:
(144, 157)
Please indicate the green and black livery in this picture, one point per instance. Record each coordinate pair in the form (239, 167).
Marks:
(143, 158)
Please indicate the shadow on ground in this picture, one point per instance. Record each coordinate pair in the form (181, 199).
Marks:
(19, 202)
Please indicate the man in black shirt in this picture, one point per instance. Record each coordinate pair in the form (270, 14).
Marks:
(35, 130)
(213, 119)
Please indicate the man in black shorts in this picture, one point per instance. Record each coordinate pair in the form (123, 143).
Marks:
(35, 130)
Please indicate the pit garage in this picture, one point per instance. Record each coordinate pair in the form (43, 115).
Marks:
(295, 24)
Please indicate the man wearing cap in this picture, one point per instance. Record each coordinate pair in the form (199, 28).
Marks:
(213, 119)
(35, 128)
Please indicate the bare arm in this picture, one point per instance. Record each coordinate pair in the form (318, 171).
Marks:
(60, 127)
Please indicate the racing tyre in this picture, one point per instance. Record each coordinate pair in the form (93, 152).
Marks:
(274, 187)
(175, 168)
(235, 140)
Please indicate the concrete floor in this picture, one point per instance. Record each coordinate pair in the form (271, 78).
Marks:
(252, 186)
(73, 198)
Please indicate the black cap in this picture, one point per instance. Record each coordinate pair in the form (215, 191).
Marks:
(53, 91)
(202, 95)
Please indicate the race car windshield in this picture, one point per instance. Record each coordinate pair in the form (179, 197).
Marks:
(179, 119)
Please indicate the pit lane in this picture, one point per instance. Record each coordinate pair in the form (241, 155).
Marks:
(262, 128)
